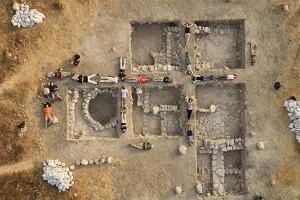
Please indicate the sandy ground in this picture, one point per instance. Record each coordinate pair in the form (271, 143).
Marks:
(93, 28)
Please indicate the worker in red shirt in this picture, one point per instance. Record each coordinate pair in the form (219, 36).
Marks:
(47, 111)
(143, 79)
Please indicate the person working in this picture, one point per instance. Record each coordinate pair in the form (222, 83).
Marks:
(85, 79)
(76, 60)
(122, 68)
(189, 108)
(187, 31)
(188, 64)
(54, 92)
(190, 135)
(109, 79)
(47, 111)
(124, 92)
(228, 77)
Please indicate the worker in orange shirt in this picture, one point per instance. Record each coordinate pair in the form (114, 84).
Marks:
(47, 111)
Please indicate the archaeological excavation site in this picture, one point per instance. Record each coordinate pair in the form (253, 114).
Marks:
(148, 100)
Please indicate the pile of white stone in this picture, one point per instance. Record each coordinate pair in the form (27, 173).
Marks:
(56, 173)
(25, 17)
(293, 108)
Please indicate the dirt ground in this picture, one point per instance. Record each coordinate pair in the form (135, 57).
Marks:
(101, 32)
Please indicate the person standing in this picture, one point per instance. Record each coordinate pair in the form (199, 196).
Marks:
(190, 135)
(188, 64)
(124, 93)
(189, 108)
(187, 31)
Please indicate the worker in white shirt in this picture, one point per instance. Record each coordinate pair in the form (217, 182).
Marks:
(109, 79)
(228, 77)
(124, 93)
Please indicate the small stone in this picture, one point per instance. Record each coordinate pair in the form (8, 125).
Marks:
(16, 6)
(178, 190)
(72, 167)
(199, 188)
(155, 110)
(91, 162)
(182, 149)
(212, 108)
(109, 160)
(285, 7)
(84, 162)
(114, 48)
(260, 145)
(77, 162)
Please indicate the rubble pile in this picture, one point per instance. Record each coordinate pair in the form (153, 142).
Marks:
(293, 108)
(57, 174)
(25, 17)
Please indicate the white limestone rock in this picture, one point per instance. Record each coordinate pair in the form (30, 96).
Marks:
(109, 160)
(24, 17)
(57, 174)
(213, 108)
(16, 6)
(182, 149)
(199, 188)
(84, 162)
(155, 110)
(178, 190)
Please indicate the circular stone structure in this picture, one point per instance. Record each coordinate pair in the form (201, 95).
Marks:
(103, 108)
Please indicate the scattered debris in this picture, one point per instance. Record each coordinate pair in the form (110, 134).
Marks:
(293, 108)
(25, 17)
(57, 174)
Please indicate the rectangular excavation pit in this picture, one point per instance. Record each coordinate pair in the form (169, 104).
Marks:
(154, 46)
(88, 113)
(223, 46)
(229, 118)
(163, 123)
(168, 95)
(204, 171)
(234, 172)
